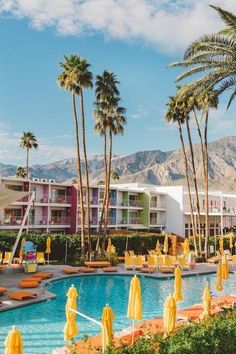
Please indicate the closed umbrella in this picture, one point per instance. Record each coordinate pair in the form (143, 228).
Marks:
(221, 244)
(178, 285)
(107, 319)
(166, 244)
(70, 329)
(206, 299)
(21, 247)
(224, 268)
(169, 315)
(186, 248)
(48, 247)
(219, 286)
(13, 342)
(135, 302)
(231, 241)
(174, 244)
(158, 250)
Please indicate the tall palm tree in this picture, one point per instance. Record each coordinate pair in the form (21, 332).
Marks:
(175, 115)
(21, 172)
(214, 56)
(28, 141)
(117, 120)
(106, 92)
(67, 82)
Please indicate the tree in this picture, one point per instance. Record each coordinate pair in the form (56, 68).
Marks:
(214, 56)
(28, 141)
(106, 92)
(175, 115)
(74, 77)
(115, 176)
(21, 172)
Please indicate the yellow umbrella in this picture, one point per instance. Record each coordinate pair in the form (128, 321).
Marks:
(134, 310)
(186, 248)
(109, 246)
(70, 329)
(221, 244)
(13, 342)
(206, 299)
(174, 244)
(224, 268)
(158, 250)
(48, 247)
(107, 318)
(21, 247)
(166, 244)
(219, 286)
(231, 241)
(178, 285)
(169, 315)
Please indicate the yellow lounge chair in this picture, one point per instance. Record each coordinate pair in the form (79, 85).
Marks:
(183, 263)
(129, 263)
(159, 261)
(126, 253)
(138, 262)
(132, 254)
(6, 258)
(151, 262)
(41, 258)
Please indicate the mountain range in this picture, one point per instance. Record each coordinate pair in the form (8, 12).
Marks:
(154, 167)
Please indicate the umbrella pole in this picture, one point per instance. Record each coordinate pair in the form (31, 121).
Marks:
(66, 252)
(133, 334)
(48, 258)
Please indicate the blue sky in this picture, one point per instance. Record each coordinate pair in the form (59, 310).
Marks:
(134, 38)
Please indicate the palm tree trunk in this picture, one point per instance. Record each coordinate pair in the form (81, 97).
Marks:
(195, 185)
(86, 168)
(104, 197)
(27, 163)
(79, 173)
(206, 184)
(108, 178)
(188, 186)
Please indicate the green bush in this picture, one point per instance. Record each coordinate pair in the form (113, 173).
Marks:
(216, 335)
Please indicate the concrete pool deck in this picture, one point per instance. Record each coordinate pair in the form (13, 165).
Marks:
(10, 278)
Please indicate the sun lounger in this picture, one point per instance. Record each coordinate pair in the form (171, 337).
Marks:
(43, 275)
(129, 263)
(87, 270)
(28, 284)
(167, 270)
(224, 301)
(213, 260)
(97, 264)
(110, 269)
(148, 270)
(22, 295)
(194, 313)
(70, 270)
(2, 290)
(29, 279)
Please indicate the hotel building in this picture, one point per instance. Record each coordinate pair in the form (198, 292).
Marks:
(135, 206)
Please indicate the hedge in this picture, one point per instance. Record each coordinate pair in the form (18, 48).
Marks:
(217, 335)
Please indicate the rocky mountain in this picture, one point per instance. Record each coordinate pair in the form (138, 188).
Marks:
(155, 167)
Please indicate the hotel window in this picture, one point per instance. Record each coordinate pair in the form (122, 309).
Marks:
(14, 187)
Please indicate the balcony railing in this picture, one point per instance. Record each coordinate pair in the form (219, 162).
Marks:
(124, 203)
(55, 220)
(134, 221)
(135, 203)
(39, 221)
(42, 199)
(112, 221)
(61, 199)
(122, 221)
(94, 201)
(112, 201)
(153, 221)
(153, 204)
(13, 220)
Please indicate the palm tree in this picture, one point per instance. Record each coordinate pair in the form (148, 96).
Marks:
(67, 82)
(175, 115)
(115, 176)
(106, 92)
(214, 56)
(21, 172)
(28, 141)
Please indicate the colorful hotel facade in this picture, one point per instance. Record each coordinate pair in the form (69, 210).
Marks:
(132, 206)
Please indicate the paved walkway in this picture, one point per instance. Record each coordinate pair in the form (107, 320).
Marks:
(10, 278)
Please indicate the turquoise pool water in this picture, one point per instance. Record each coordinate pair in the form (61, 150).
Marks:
(42, 324)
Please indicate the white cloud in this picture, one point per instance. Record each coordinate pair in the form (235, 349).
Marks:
(49, 151)
(140, 112)
(168, 25)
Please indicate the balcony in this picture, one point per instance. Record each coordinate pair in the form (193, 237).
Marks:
(39, 221)
(42, 199)
(60, 199)
(13, 220)
(93, 221)
(56, 220)
(135, 203)
(112, 221)
(122, 221)
(134, 221)
(153, 204)
(94, 201)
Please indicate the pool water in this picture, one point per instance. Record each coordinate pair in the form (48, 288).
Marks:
(42, 324)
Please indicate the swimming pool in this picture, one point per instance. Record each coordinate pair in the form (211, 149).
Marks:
(42, 324)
